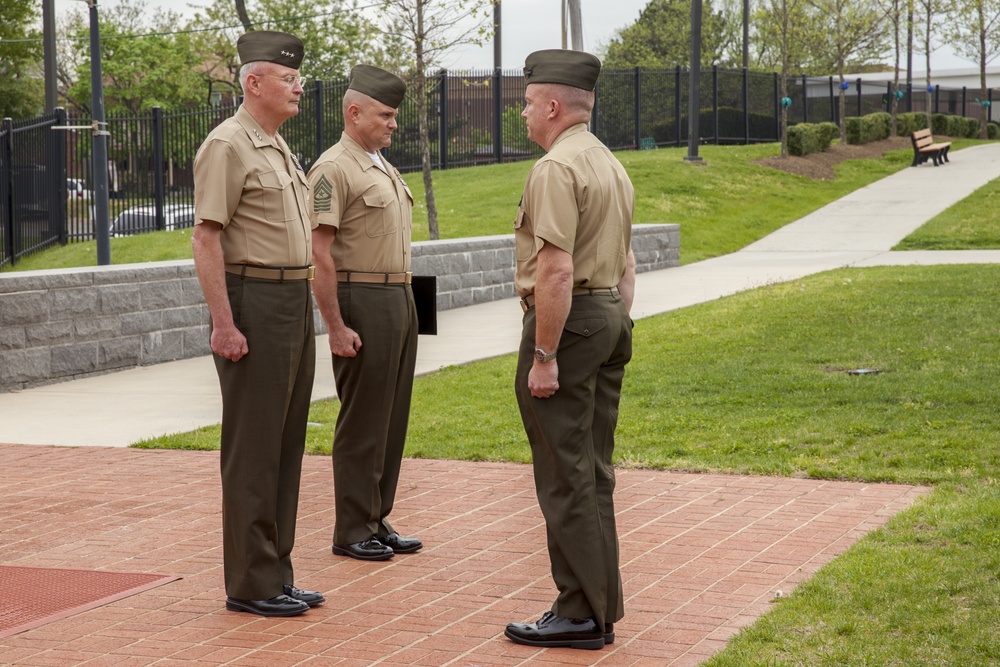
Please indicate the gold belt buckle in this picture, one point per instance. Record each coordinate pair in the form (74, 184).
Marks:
(310, 272)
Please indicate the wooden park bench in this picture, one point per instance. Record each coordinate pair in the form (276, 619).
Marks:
(925, 148)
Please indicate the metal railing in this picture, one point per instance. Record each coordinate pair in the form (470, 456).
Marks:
(474, 118)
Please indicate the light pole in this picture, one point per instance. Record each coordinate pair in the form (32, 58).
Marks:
(49, 55)
(100, 132)
(694, 89)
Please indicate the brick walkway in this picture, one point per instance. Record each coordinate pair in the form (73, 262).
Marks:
(702, 556)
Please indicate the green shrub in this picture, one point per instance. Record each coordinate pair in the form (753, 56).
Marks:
(730, 125)
(939, 124)
(909, 122)
(992, 130)
(868, 128)
(806, 138)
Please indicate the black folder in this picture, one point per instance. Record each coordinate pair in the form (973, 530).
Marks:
(425, 298)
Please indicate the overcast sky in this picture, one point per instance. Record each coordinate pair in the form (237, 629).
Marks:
(528, 25)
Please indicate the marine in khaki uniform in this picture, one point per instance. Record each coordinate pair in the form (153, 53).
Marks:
(362, 224)
(576, 274)
(252, 249)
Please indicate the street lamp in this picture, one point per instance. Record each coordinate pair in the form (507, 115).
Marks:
(694, 88)
(100, 132)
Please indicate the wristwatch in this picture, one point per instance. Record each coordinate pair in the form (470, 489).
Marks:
(543, 356)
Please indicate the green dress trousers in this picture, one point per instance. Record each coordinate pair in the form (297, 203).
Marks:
(572, 437)
(374, 388)
(265, 407)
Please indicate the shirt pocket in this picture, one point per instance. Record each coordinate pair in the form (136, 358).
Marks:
(524, 241)
(380, 213)
(278, 196)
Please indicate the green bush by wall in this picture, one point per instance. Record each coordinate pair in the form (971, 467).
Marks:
(806, 138)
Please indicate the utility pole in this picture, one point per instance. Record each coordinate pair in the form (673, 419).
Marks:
(746, 34)
(49, 57)
(575, 24)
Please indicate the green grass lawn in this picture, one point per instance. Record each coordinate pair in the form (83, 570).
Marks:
(972, 224)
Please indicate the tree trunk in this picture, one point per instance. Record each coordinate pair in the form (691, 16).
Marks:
(241, 9)
(424, 128)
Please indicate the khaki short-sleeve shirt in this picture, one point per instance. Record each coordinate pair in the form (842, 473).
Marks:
(255, 188)
(578, 198)
(371, 209)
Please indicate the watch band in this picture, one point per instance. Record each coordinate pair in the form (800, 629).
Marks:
(543, 356)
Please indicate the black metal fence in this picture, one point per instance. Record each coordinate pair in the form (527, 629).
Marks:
(46, 172)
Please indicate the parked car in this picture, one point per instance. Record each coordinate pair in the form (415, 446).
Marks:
(77, 188)
(141, 219)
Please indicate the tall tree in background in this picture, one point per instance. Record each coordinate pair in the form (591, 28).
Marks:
(431, 28)
(855, 37)
(929, 12)
(789, 24)
(661, 37)
(143, 65)
(21, 88)
(974, 34)
(335, 33)
(896, 14)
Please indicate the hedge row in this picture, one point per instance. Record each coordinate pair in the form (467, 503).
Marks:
(876, 126)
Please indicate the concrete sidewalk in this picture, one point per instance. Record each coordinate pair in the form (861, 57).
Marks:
(858, 230)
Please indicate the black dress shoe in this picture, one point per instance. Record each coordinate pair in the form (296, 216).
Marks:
(400, 544)
(311, 598)
(370, 549)
(279, 605)
(609, 633)
(553, 631)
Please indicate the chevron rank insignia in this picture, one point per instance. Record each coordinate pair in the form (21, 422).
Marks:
(322, 195)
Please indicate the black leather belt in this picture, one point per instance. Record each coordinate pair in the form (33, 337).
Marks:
(529, 301)
(375, 278)
(280, 273)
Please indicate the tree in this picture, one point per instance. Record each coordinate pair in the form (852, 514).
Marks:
(975, 35)
(431, 28)
(142, 64)
(855, 36)
(895, 15)
(788, 23)
(661, 37)
(335, 35)
(21, 87)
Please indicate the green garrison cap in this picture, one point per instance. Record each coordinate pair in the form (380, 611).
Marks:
(570, 68)
(272, 46)
(375, 82)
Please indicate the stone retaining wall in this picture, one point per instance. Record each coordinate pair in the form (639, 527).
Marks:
(68, 323)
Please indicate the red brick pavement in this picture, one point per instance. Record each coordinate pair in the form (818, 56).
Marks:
(702, 556)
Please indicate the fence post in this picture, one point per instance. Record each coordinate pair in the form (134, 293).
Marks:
(497, 115)
(937, 98)
(777, 107)
(715, 103)
(57, 165)
(834, 107)
(443, 120)
(858, 86)
(636, 110)
(963, 101)
(594, 127)
(7, 186)
(805, 99)
(677, 105)
(746, 107)
(909, 97)
(158, 176)
(320, 144)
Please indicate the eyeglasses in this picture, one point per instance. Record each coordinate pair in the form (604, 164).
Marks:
(289, 80)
